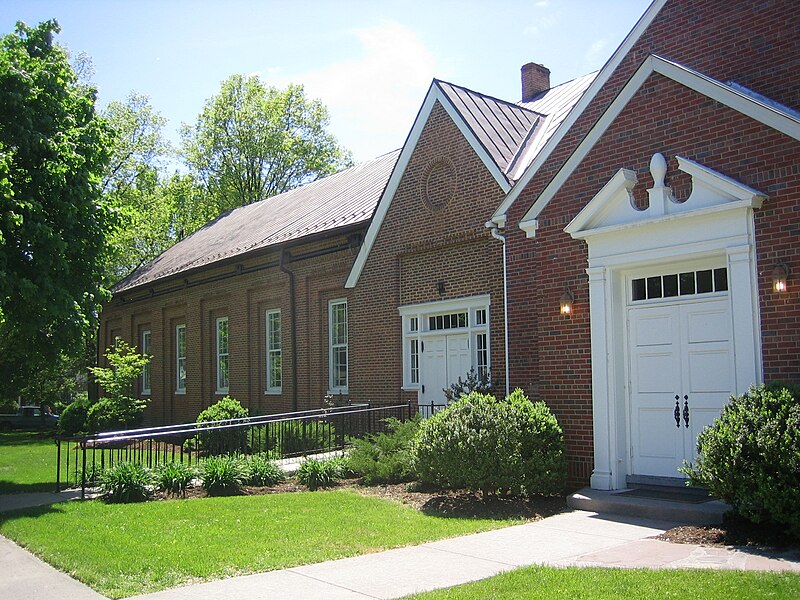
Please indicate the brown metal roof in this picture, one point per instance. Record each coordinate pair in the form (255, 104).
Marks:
(345, 198)
(500, 126)
(513, 134)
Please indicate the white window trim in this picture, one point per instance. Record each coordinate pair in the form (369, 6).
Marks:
(178, 388)
(147, 372)
(334, 389)
(422, 311)
(273, 389)
(220, 389)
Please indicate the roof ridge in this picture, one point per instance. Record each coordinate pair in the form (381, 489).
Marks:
(481, 94)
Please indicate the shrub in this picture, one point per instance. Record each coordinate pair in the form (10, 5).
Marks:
(261, 471)
(475, 382)
(315, 474)
(174, 477)
(126, 482)
(223, 440)
(109, 415)
(750, 456)
(118, 409)
(480, 443)
(222, 475)
(73, 419)
(385, 457)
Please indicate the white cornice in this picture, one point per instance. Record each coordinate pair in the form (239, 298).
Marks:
(602, 77)
(769, 114)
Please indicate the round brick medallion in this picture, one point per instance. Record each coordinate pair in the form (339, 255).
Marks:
(438, 183)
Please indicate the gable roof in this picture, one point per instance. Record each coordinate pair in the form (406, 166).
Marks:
(736, 97)
(504, 135)
(343, 199)
(575, 111)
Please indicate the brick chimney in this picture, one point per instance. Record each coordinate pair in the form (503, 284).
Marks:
(535, 79)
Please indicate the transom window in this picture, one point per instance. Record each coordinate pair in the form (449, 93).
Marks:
(449, 321)
(673, 285)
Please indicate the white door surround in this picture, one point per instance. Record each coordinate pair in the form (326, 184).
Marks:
(442, 341)
(713, 228)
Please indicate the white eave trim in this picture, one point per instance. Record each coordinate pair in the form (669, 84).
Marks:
(770, 115)
(605, 73)
(435, 94)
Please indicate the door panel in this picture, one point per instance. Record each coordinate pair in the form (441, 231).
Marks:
(682, 350)
(444, 359)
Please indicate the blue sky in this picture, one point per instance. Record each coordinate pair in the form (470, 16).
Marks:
(369, 61)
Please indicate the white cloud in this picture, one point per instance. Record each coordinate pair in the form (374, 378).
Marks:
(374, 98)
(545, 22)
(596, 51)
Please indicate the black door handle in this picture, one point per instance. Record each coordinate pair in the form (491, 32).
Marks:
(685, 411)
(677, 412)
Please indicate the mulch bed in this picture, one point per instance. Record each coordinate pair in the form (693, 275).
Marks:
(447, 503)
(732, 532)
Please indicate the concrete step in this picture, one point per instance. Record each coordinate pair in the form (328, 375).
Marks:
(601, 501)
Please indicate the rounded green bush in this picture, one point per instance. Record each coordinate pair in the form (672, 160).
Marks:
(511, 446)
(750, 456)
(228, 440)
(385, 457)
(73, 418)
(111, 415)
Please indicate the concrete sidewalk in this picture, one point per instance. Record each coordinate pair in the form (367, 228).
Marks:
(575, 538)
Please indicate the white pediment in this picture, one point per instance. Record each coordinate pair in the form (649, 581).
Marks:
(613, 206)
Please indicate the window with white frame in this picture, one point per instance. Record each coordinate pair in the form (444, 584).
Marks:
(274, 356)
(436, 319)
(337, 324)
(146, 372)
(222, 355)
(180, 359)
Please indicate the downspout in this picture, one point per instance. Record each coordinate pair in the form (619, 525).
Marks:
(287, 257)
(499, 236)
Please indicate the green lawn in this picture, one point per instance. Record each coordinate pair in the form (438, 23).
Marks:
(27, 463)
(543, 582)
(126, 549)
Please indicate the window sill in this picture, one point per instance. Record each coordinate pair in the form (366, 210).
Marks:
(222, 392)
(275, 392)
(180, 392)
(342, 392)
(410, 388)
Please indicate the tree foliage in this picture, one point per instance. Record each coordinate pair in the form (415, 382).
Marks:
(252, 141)
(53, 222)
(118, 408)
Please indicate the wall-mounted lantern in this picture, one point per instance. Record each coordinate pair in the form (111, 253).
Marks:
(780, 277)
(566, 302)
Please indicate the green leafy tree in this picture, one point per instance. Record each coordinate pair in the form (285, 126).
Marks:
(133, 185)
(118, 408)
(53, 221)
(252, 141)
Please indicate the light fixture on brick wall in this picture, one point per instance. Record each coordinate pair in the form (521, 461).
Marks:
(440, 287)
(780, 277)
(566, 302)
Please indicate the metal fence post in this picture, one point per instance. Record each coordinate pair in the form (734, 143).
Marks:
(83, 472)
(58, 465)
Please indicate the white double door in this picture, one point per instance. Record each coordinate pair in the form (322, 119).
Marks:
(444, 358)
(681, 375)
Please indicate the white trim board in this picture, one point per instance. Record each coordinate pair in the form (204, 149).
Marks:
(499, 216)
(769, 114)
(434, 95)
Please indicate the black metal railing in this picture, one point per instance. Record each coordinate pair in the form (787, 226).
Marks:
(428, 409)
(80, 459)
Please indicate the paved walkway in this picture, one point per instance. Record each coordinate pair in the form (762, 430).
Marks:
(576, 538)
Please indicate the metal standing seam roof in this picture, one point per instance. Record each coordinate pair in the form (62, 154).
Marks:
(345, 198)
(514, 133)
(499, 125)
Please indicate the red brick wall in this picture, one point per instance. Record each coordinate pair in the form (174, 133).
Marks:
(753, 43)
(418, 246)
(243, 298)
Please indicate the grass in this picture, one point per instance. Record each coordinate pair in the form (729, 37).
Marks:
(126, 549)
(545, 582)
(27, 463)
